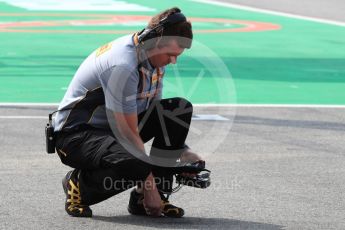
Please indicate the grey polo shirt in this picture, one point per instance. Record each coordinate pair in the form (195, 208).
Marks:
(109, 78)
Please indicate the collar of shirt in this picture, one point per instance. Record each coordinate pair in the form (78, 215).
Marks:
(142, 57)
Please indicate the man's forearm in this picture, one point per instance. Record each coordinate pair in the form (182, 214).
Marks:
(133, 138)
(127, 126)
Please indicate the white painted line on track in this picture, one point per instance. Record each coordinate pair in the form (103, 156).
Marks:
(15, 104)
(209, 117)
(272, 106)
(332, 106)
(259, 10)
(24, 117)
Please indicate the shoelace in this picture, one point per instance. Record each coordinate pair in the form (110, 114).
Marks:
(75, 198)
(172, 208)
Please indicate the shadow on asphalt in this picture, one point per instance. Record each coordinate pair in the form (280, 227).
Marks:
(186, 222)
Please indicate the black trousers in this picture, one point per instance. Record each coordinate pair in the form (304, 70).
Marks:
(106, 168)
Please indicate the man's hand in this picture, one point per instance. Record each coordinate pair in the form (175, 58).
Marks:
(152, 200)
(189, 157)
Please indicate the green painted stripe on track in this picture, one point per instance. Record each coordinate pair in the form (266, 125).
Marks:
(303, 63)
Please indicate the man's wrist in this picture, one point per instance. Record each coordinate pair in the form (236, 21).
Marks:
(149, 183)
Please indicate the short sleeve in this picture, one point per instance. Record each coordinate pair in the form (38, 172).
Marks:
(120, 86)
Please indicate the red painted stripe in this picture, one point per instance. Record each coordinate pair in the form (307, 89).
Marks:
(17, 27)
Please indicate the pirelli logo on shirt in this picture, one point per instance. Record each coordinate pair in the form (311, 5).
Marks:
(101, 50)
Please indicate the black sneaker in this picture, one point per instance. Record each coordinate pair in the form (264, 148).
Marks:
(170, 210)
(73, 204)
(136, 206)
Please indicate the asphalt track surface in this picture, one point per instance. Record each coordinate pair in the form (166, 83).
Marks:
(278, 168)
